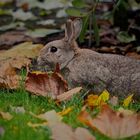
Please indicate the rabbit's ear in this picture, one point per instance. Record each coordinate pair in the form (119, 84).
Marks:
(69, 31)
(72, 29)
(77, 23)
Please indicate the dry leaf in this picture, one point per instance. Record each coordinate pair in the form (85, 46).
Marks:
(65, 111)
(125, 112)
(113, 124)
(51, 116)
(68, 94)
(26, 49)
(34, 125)
(95, 100)
(61, 131)
(9, 76)
(83, 134)
(128, 100)
(6, 115)
(114, 101)
(92, 100)
(13, 37)
(45, 85)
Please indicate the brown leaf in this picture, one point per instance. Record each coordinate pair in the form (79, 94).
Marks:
(113, 124)
(68, 94)
(61, 131)
(83, 134)
(45, 85)
(9, 76)
(26, 49)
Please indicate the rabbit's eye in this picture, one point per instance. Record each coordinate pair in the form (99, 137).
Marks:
(53, 49)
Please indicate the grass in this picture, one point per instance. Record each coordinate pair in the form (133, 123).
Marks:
(18, 129)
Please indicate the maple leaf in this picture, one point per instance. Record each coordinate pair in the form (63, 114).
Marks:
(45, 85)
(9, 77)
(112, 124)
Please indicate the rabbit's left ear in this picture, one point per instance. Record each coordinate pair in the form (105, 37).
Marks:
(77, 25)
(72, 29)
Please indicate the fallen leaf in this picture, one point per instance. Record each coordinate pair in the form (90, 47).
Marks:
(34, 125)
(103, 97)
(51, 116)
(65, 111)
(42, 32)
(9, 76)
(6, 115)
(134, 55)
(61, 131)
(125, 112)
(21, 15)
(68, 94)
(45, 85)
(95, 100)
(128, 100)
(83, 134)
(114, 101)
(10, 38)
(112, 124)
(92, 100)
(26, 49)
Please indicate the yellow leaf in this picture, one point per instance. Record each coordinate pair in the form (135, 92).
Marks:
(65, 111)
(103, 97)
(128, 100)
(95, 100)
(92, 100)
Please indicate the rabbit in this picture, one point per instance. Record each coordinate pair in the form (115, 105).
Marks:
(119, 75)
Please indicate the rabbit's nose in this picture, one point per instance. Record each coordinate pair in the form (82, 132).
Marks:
(39, 60)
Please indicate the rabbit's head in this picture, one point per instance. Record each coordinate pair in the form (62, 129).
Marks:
(61, 51)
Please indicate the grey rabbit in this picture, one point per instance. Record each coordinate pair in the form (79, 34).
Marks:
(120, 75)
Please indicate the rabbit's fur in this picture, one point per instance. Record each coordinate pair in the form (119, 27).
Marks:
(118, 74)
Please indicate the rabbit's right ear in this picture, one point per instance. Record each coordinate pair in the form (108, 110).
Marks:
(72, 30)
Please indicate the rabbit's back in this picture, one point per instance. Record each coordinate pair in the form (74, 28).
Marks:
(118, 74)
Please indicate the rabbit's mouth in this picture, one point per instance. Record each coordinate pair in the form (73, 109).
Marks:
(45, 66)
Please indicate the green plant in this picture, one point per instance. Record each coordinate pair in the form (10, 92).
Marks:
(85, 9)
